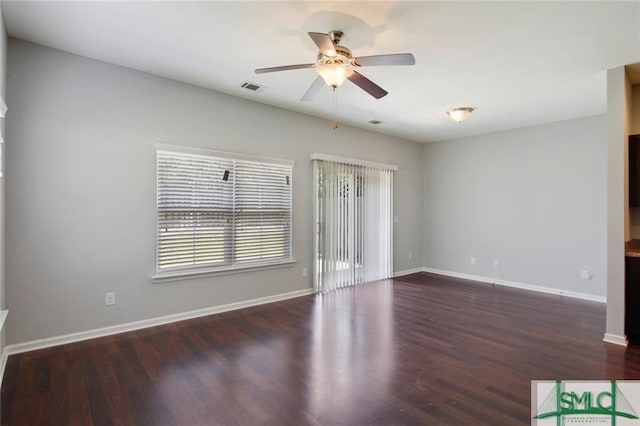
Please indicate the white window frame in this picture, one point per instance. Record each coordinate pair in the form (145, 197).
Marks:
(177, 273)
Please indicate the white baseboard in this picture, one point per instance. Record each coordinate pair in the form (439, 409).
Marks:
(137, 325)
(4, 355)
(615, 339)
(406, 272)
(515, 284)
(3, 364)
(459, 275)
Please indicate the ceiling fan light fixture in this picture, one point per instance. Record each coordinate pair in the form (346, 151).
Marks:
(335, 63)
(460, 114)
(335, 74)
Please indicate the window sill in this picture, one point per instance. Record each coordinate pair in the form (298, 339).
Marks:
(192, 274)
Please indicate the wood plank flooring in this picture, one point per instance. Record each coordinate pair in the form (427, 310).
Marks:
(419, 349)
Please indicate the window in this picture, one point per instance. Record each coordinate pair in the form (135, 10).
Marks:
(220, 211)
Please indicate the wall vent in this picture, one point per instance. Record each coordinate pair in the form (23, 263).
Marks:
(252, 86)
(374, 122)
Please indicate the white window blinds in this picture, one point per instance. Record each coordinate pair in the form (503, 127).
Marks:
(221, 211)
(354, 220)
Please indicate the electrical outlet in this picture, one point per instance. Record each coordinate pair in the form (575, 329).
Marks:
(473, 260)
(110, 298)
(496, 264)
(585, 275)
(305, 272)
(410, 255)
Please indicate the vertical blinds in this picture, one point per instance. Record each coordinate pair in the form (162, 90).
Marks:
(221, 211)
(353, 211)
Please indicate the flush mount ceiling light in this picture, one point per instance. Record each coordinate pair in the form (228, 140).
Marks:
(460, 114)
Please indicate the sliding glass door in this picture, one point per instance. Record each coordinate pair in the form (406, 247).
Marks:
(353, 217)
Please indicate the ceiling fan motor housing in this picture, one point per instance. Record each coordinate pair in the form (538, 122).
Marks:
(343, 56)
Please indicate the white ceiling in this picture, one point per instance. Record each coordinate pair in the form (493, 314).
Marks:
(518, 63)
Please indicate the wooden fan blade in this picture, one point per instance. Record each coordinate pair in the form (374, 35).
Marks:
(392, 59)
(284, 68)
(324, 43)
(313, 90)
(367, 85)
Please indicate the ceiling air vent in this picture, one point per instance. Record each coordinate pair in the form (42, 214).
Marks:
(252, 86)
(374, 122)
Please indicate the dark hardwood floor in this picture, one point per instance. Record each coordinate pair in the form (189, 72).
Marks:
(420, 349)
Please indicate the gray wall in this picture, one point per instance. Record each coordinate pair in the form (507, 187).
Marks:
(532, 198)
(81, 189)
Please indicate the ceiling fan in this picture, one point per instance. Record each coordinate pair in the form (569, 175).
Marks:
(335, 64)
